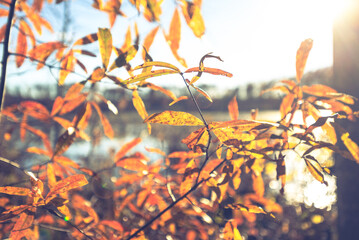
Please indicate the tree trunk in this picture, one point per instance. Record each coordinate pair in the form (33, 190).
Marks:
(346, 80)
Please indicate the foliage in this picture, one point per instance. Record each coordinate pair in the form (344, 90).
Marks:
(178, 195)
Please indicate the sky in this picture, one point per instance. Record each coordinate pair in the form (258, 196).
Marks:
(256, 39)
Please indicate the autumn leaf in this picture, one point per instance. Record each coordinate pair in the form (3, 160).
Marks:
(213, 71)
(21, 47)
(148, 41)
(351, 146)
(192, 13)
(233, 109)
(286, 105)
(189, 177)
(87, 39)
(174, 37)
(174, 118)
(314, 168)
(22, 225)
(158, 64)
(66, 185)
(302, 56)
(133, 164)
(104, 121)
(126, 148)
(105, 42)
(143, 76)
(15, 191)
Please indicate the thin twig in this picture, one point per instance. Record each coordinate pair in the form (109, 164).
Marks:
(175, 202)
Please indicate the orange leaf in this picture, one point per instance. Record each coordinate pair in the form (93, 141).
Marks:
(15, 191)
(67, 66)
(107, 128)
(302, 56)
(125, 148)
(13, 212)
(105, 42)
(286, 105)
(87, 39)
(112, 224)
(43, 51)
(133, 164)
(22, 225)
(189, 177)
(21, 47)
(74, 90)
(174, 118)
(214, 71)
(66, 185)
(39, 151)
(233, 109)
(56, 107)
(197, 140)
(174, 36)
(72, 104)
(2, 32)
(148, 41)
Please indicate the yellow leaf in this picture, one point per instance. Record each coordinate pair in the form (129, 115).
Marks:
(174, 118)
(302, 56)
(143, 76)
(351, 146)
(105, 42)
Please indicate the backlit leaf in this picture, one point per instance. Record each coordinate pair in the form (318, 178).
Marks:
(21, 47)
(105, 42)
(104, 121)
(133, 164)
(59, 101)
(65, 141)
(22, 225)
(158, 64)
(233, 109)
(138, 104)
(197, 140)
(192, 13)
(148, 41)
(87, 39)
(286, 105)
(351, 146)
(302, 56)
(15, 191)
(189, 177)
(74, 90)
(174, 118)
(66, 185)
(315, 169)
(151, 74)
(174, 36)
(214, 71)
(126, 148)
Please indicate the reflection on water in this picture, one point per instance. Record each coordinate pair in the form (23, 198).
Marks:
(300, 187)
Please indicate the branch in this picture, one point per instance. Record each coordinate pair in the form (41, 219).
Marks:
(5, 55)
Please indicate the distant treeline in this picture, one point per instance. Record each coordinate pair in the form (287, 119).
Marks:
(248, 96)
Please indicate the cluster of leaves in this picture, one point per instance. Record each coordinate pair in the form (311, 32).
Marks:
(178, 194)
